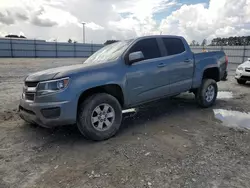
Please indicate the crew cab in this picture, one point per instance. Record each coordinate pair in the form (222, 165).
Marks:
(119, 76)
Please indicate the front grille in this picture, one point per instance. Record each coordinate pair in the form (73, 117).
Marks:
(247, 78)
(247, 69)
(29, 90)
(30, 96)
(31, 84)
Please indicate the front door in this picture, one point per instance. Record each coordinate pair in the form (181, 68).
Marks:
(147, 79)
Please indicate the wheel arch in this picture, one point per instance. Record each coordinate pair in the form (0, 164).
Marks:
(211, 73)
(113, 89)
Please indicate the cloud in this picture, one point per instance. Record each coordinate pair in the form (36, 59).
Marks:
(94, 26)
(21, 16)
(123, 19)
(3, 34)
(6, 18)
(220, 19)
(138, 15)
(43, 22)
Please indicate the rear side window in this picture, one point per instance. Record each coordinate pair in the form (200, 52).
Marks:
(149, 48)
(174, 46)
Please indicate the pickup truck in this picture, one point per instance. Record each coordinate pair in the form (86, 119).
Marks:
(119, 76)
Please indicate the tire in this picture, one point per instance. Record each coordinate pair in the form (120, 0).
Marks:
(201, 96)
(87, 114)
(224, 78)
(241, 81)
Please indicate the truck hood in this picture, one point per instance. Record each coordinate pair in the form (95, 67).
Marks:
(57, 72)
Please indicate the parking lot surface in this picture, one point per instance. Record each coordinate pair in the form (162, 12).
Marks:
(167, 143)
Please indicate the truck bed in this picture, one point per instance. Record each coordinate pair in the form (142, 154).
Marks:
(207, 60)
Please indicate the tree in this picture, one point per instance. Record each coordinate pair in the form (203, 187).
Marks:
(15, 36)
(193, 43)
(70, 41)
(231, 41)
(110, 42)
(204, 42)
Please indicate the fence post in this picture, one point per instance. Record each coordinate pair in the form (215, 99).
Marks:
(74, 49)
(35, 48)
(92, 47)
(244, 53)
(221, 48)
(56, 49)
(11, 48)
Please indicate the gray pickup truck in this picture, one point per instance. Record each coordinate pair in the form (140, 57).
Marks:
(121, 75)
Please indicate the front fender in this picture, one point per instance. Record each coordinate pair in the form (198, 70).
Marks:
(93, 80)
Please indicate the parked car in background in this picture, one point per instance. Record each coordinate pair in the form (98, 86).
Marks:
(242, 74)
(121, 75)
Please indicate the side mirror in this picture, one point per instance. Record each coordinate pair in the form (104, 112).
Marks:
(135, 57)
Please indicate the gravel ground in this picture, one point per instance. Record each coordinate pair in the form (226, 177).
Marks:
(169, 143)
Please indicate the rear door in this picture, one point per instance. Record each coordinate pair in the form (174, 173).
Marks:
(146, 79)
(180, 64)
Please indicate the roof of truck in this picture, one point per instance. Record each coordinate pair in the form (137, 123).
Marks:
(175, 36)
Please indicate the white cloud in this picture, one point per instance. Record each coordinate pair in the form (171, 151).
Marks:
(3, 34)
(55, 15)
(94, 26)
(221, 19)
(139, 15)
(113, 19)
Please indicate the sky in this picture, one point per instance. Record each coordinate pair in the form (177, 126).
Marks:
(124, 19)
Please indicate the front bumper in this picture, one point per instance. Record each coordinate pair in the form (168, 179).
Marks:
(47, 114)
(242, 75)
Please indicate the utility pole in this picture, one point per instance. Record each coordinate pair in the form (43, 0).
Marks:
(83, 32)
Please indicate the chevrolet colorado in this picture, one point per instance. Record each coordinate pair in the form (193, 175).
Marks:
(121, 75)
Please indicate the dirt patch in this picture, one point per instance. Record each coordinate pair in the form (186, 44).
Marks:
(169, 143)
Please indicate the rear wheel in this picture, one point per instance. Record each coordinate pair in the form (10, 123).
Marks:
(99, 117)
(207, 93)
(224, 78)
(241, 81)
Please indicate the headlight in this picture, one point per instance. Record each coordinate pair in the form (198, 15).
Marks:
(240, 68)
(52, 86)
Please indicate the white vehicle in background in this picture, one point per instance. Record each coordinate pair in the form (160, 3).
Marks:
(242, 74)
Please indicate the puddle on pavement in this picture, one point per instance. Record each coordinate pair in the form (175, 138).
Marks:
(233, 119)
(225, 95)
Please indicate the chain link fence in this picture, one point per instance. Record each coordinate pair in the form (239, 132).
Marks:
(23, 48)
(236, 54)
(39, 48)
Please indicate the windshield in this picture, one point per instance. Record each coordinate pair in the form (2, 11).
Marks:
(109, 53)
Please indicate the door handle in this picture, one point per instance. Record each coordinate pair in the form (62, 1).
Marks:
(187, 60)
(161, 65)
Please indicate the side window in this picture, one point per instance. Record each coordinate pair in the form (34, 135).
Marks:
(173, 45)
(149, 48)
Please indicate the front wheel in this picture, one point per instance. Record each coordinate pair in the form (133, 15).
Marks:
(207, 93)
(241, 81)
(99, 117)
